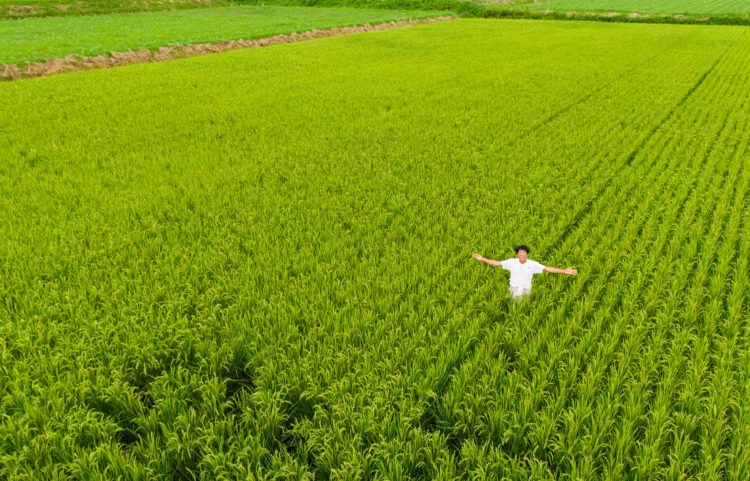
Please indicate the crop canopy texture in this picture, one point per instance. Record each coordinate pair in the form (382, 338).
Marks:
(258, 264)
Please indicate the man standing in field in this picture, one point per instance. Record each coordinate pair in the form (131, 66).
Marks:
(522, 269)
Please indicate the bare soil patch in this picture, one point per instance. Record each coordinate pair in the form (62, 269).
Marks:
(72, 63)
(21, 10)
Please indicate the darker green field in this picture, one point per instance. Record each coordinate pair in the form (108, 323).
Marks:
(676, 7)
(38, 39)
(726, 12)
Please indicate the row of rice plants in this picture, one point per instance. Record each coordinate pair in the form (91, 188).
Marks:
(471, 328)
(202, 280)
(593, 340)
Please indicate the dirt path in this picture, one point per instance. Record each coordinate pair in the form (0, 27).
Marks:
(72, 63)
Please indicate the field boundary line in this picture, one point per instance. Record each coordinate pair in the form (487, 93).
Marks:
(610, 16)
(74, 63)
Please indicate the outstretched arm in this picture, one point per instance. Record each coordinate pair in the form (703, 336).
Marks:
(489, 262)
(554, 270)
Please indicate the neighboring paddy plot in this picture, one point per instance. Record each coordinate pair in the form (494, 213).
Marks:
(723, 12)
(38, 39)
(691, 7)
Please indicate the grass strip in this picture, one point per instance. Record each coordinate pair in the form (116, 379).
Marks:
(607, 16)
(20, 9)
(547, 11)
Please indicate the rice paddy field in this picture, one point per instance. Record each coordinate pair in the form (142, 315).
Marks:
(38, 39)
(695, 7)
(257, 264)
(19, 9)
(719, 12)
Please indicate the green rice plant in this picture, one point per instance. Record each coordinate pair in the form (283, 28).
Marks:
(684, 7)
(257, 265)
(18, 9)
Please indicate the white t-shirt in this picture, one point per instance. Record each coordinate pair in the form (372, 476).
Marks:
(521, 274)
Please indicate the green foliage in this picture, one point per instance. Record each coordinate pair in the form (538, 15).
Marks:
(685, 7)
(256, 265)
(723, 12)
(18, 9)
(729, 12)
(553, 11)
(43, 38)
